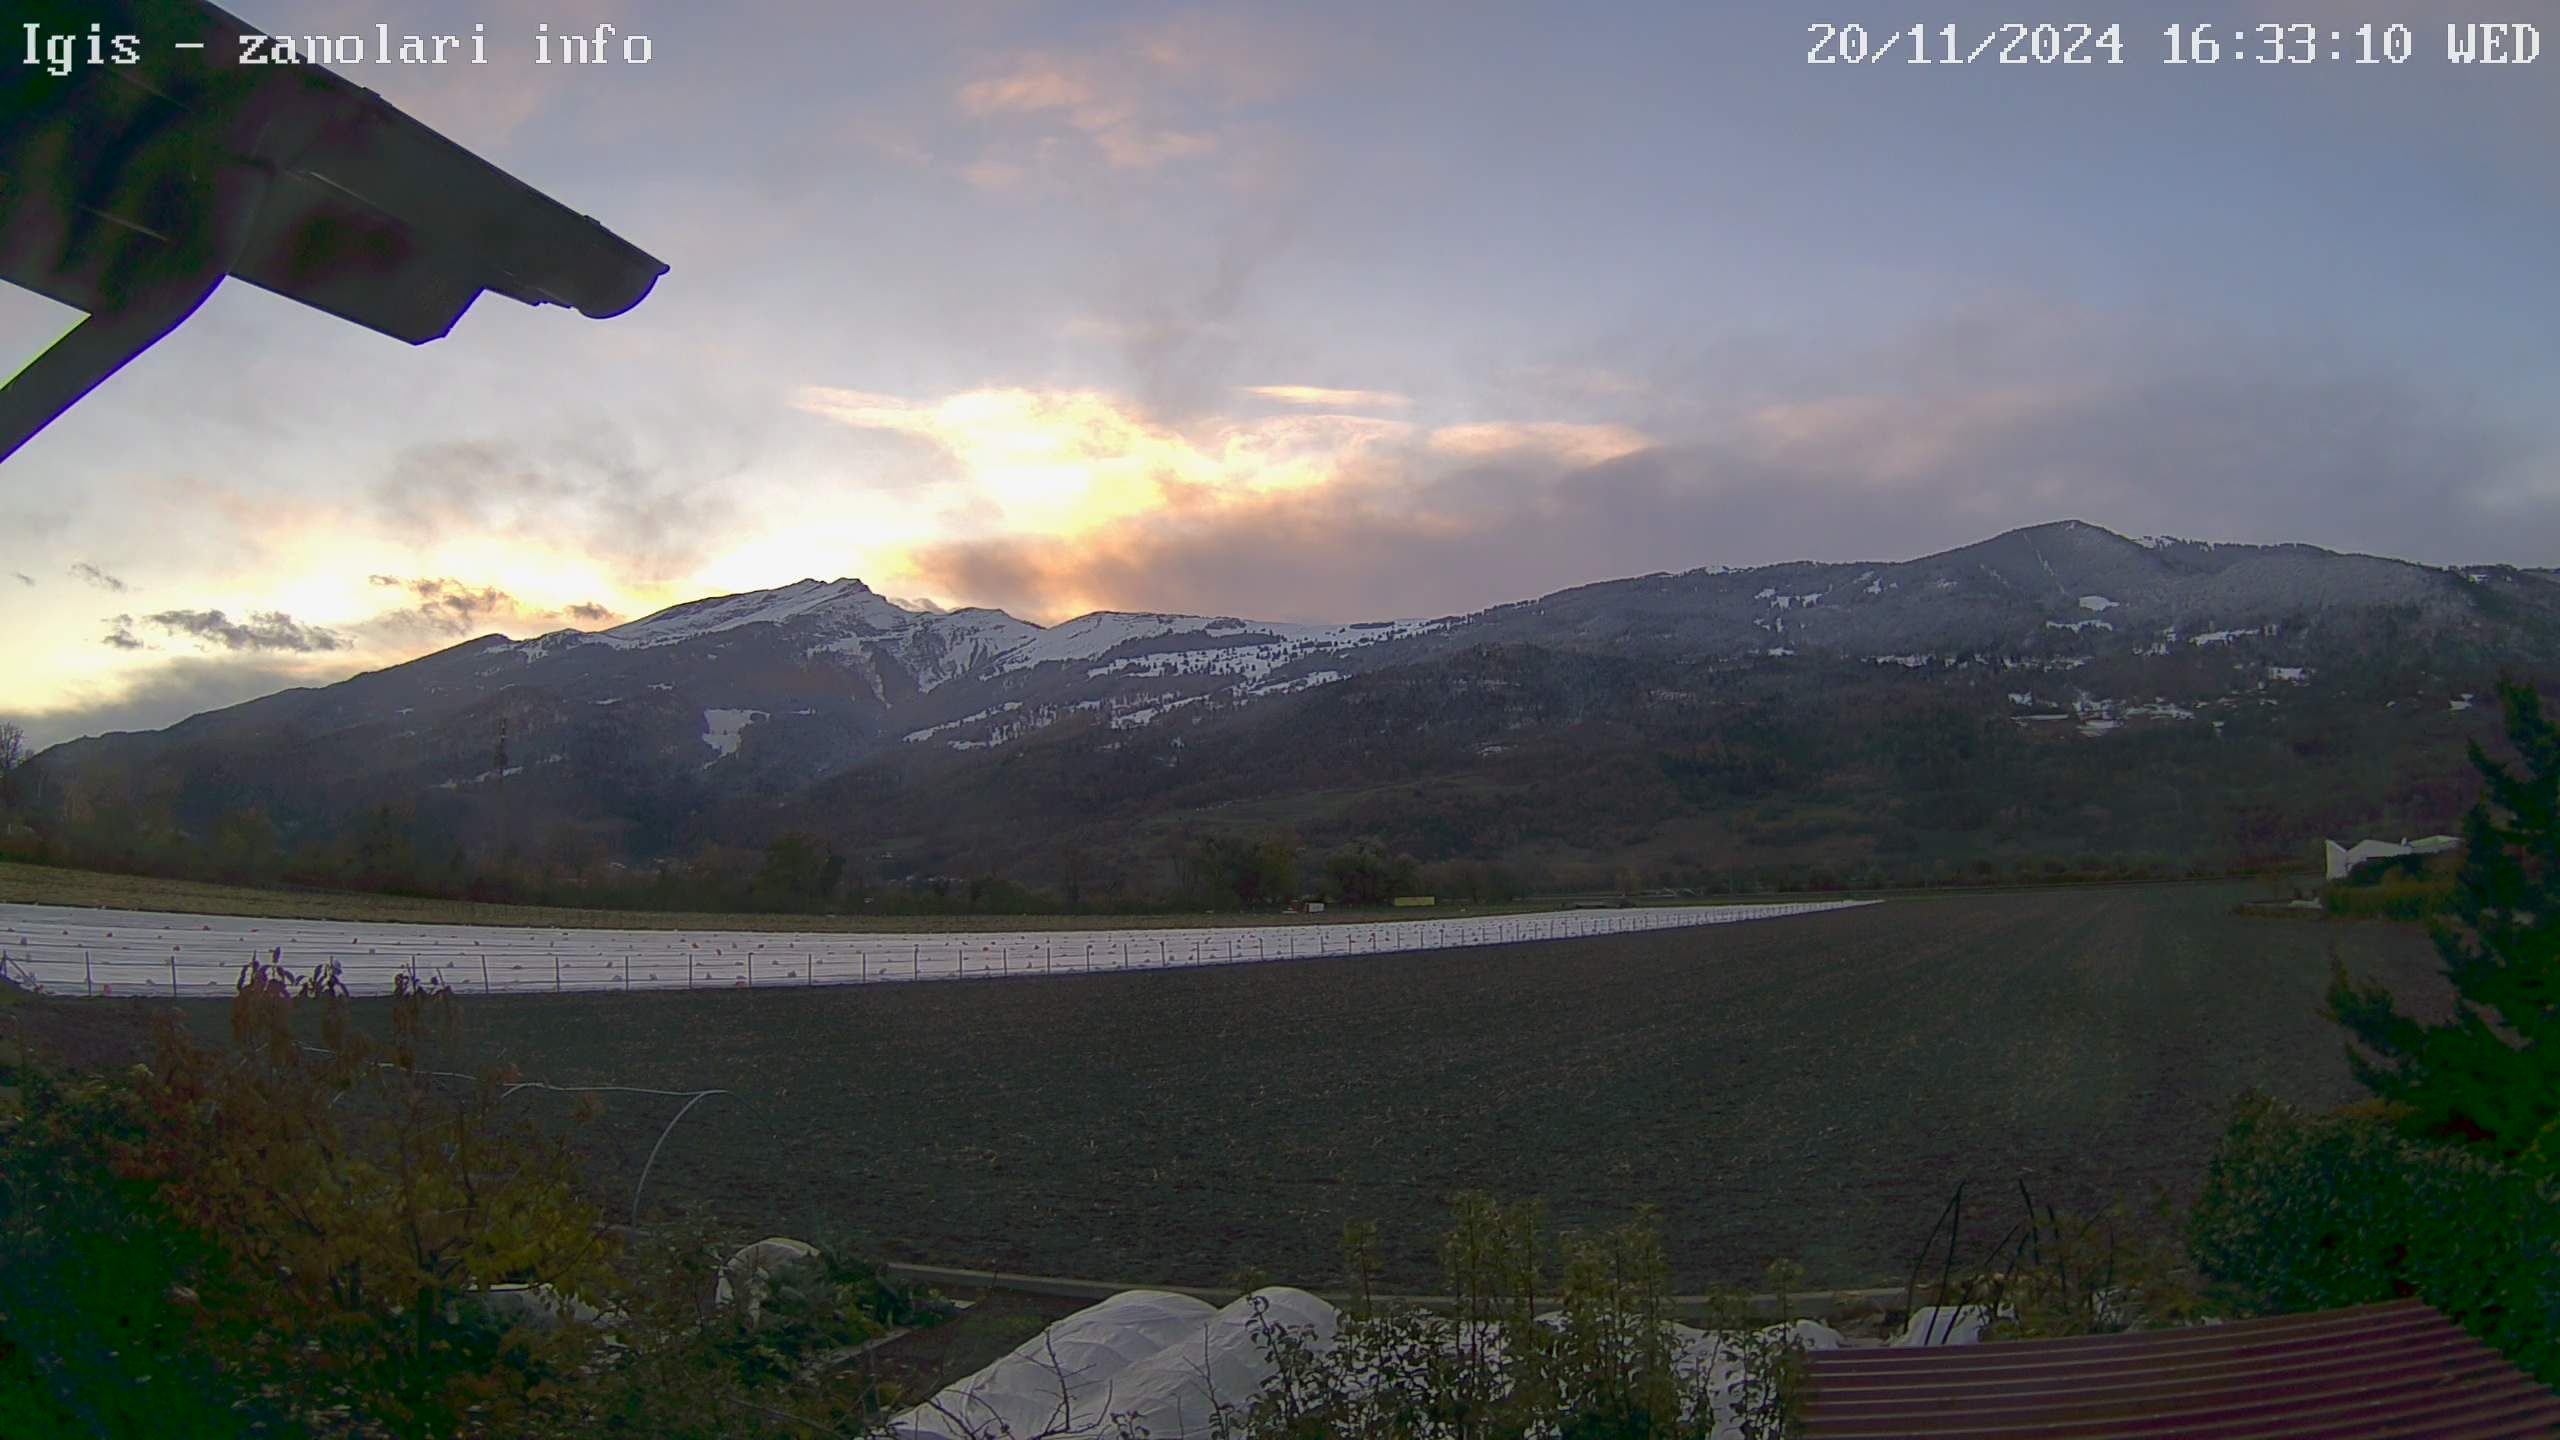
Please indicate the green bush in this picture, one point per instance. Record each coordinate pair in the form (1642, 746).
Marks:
(102, 1328)
(266, 1238)
(2489, 1078)
(2305, 1212)
(2395, 867)
(2395, 899)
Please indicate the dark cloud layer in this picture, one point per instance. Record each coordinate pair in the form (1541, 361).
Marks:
(268, 630)
(450, 605)
(255, 653)
(167, 691)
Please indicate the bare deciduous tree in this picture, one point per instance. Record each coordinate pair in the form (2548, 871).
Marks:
(13, 753)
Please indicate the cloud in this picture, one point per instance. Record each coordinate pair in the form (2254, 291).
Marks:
(1553, 383)
(1361, 546)
(1053, 462)
(653, 520)
(1947, 436)
(1149, 98)
(1083, 93)
(1183, 322)
(991, 173)
(25, 516)
(1577, 443)
(262, 630)
(1033, 84)
(256, 652)
(2008, 416)
(883, 138)
(101, 579)
(1241, 57)
(447, 607)
(1085, 502)
(1130, 148)
(450, 605)
(1330, 398)
(164, 692)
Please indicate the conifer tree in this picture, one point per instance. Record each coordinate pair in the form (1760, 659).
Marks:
(2489, 1077)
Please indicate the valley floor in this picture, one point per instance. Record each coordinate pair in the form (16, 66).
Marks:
(22, 884)
(1811, 1089)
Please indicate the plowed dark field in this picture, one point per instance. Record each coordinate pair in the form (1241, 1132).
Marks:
(1811, 1088)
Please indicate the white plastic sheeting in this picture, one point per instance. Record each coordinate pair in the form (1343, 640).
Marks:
(1727, 1370)
(1155, 1360)
(539, 1306)
(1145, 1362)
(750, 1271)
(1942, 1325)
(127, 952)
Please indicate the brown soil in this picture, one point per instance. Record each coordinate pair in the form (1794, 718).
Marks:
(1811, 1088)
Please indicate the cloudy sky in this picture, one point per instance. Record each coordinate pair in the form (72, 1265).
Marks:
(1316, 311)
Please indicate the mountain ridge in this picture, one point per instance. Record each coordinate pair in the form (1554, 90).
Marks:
(823, 705)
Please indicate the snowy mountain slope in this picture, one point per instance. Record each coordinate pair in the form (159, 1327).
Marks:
(845, 619)
(845, 604)
(749, 700)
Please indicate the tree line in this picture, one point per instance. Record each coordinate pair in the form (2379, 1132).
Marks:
(392, 850)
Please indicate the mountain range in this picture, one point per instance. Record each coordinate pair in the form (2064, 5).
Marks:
(2059, 689)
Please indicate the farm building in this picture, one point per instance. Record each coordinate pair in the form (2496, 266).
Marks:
(2343, 858)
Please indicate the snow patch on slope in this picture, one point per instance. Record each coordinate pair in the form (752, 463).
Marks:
(2223, 637)
(1131, 719)
(917, 736)
(724, 730)
(1307, 681)
(1256, 648)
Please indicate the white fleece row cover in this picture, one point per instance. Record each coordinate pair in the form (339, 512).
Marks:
(78, 951)
(1146, 1362)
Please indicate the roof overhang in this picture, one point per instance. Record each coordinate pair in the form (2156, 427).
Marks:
(2365, 1372)
(130, 191)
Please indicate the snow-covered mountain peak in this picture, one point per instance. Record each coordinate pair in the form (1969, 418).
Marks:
(847, 602)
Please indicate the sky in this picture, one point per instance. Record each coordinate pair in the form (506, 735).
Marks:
(1302, 310)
